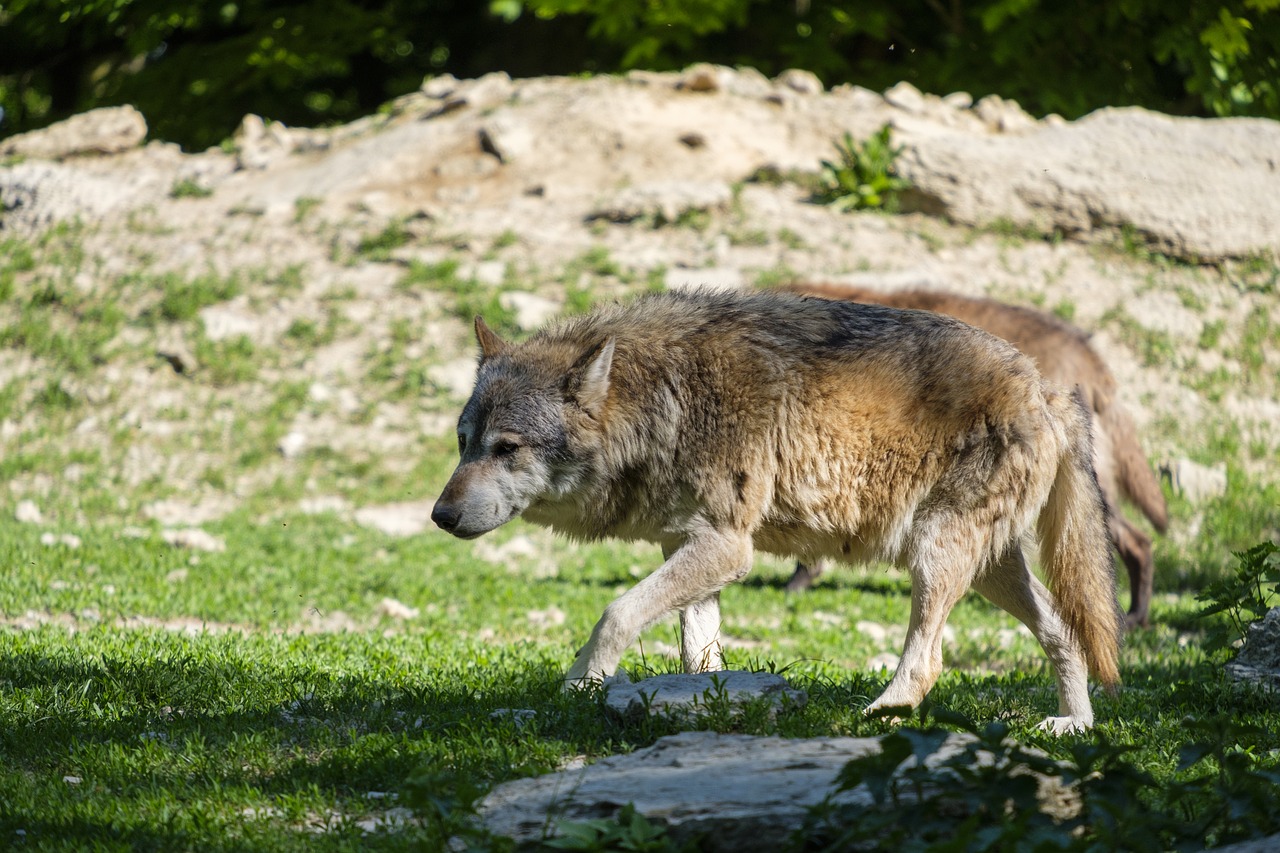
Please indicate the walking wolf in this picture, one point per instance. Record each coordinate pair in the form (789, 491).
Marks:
(716, 423)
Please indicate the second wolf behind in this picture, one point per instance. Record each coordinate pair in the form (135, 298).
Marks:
(1063, 354)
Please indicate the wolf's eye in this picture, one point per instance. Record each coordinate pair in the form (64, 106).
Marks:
(462, 442)
(505, 447)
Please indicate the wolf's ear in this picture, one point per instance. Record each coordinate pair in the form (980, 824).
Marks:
(490, 344)
(590, 384)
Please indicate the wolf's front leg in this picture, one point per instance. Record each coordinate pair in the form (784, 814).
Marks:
(691, 577)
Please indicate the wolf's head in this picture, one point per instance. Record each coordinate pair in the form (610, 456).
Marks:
(524, 435)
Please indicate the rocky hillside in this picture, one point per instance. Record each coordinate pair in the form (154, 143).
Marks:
(285, 320)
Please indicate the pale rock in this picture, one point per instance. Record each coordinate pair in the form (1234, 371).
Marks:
(731, 792)
(704, 77)
(66, 540)
(292, 444)
(394, 819)
(1003, 116)
(173, 512)
(1115, 168)
(507, 138)
(519, 717)
(801, 81)
(551, 617)
(108, 130)
(678, 278)
(532, 311)
(222, 323)
(440, 86)
(664, 201)
(519, 546)
(398, 519)
(457, 377)
(696, 693)
(873, 630)
(321, 504)
(885, 661)
(193, 539)
(28, 512)
(393, 609)
(260, 143)
(483, 93)
(488, 273)
(1258, 660)
(1195, 482)
(905, 96)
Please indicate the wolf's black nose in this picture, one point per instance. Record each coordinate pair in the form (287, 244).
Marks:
(445, 517)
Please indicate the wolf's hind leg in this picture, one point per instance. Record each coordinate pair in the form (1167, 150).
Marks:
(941, 572)
(1011, 585)
(700, 648)
(692, 575)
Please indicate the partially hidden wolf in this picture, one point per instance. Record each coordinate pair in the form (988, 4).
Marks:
(716, 423)
(1063, 354)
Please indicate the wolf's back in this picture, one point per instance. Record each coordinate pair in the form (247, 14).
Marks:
(1063, 354)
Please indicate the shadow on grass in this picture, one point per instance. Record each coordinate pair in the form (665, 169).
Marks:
(184, 743)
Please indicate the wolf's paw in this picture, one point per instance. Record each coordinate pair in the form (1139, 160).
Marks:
(892, 713)
(583, 682)
(1065, 725)
(587, 678)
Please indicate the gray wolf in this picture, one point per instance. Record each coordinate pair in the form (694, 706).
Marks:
(715, 424)
(1063, 354)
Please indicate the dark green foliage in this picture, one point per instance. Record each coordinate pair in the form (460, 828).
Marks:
(983, 796)
(445, 802)
(1242, 597)
(1209, 57)
(864, 178)
(181, 299)
(195, 69)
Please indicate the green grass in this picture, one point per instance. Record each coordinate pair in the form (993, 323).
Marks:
(1154, 347)
(379, 246)
(188, 188)
(258, 698)
(256, 735)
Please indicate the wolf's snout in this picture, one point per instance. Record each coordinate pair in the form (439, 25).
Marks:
(446, 517)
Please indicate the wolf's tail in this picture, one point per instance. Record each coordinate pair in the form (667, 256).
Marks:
(1074, 550)
(1134, 475)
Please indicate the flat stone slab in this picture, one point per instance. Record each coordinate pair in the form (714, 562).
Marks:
(729, 792)
(743, 792)
(694, 694)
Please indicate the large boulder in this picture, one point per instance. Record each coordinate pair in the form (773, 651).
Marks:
(1192, 188)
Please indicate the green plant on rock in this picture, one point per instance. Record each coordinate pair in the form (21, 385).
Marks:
(865, 176)
(1242, 596)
